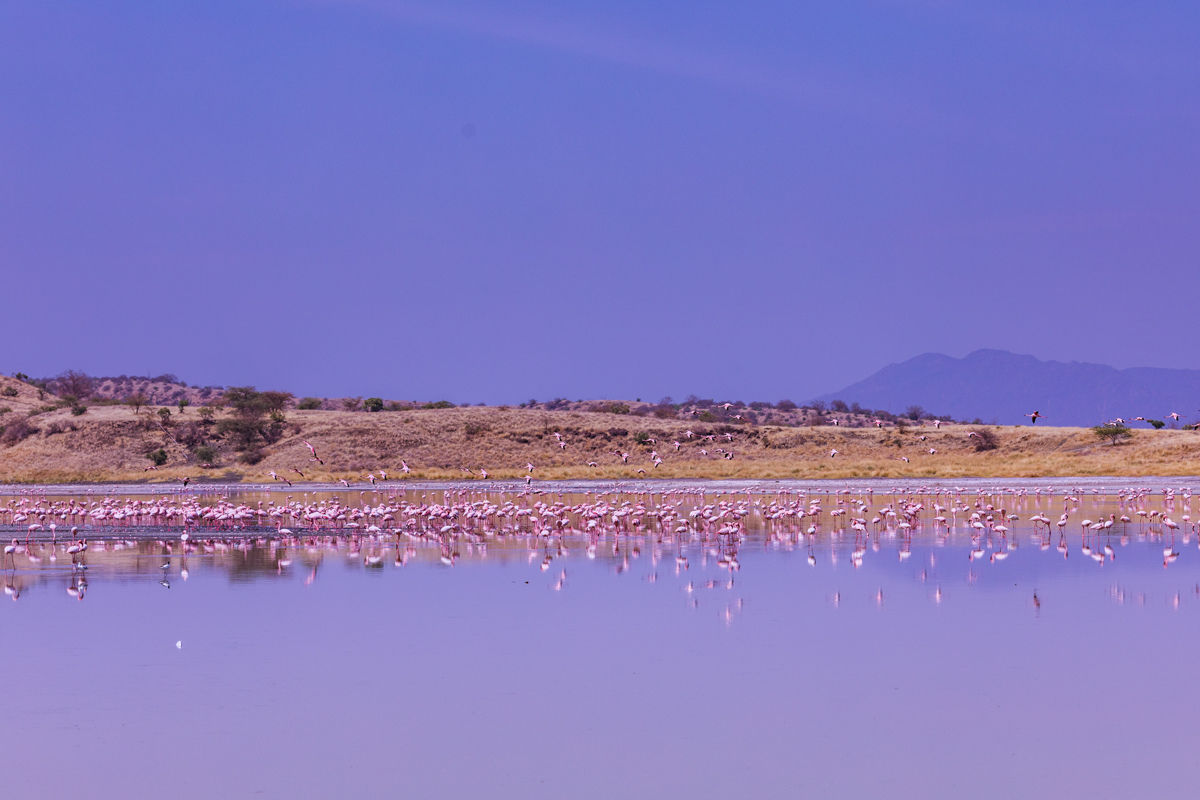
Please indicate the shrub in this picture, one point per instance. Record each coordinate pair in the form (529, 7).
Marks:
(351, 403)
(373, 404)
(183, 403)
(164, 414)
(309, 404)
(206, 454)
(914, 412)
(612, 408)
(159, 457)
(136, 401)
(820, 407)
(1115, 433)
(839, 405)
(984, 439)
(664, 412)
(206, 414)
(642, 438)
(78, 410)
(252, 456)
(9, 391)
(785, 405)
(1157, 423)
(474, 429)
(5, 410)
(439, 404)
(192, 434)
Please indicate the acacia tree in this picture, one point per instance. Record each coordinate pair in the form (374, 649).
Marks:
(137, 400)
(251, 411)
(73, 383)
(1114, 432)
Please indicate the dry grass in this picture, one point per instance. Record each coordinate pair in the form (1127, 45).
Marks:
(111, 445)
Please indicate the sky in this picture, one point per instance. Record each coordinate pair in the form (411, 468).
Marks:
(493, 202)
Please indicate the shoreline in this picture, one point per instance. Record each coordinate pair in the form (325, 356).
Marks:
(640, 486)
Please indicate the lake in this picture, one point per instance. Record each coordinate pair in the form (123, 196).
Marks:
(603, 642)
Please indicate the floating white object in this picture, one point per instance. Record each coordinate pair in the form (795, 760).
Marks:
(179, 645)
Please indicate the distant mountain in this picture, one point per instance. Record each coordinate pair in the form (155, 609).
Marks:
(1002, 386)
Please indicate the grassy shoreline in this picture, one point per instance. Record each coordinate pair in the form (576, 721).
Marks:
(109, 445)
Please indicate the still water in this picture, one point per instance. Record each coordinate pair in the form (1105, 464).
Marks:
(501, 644)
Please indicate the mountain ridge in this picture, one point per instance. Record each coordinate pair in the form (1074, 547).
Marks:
(1000, 386)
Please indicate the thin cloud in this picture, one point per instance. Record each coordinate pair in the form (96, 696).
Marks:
(633, 53)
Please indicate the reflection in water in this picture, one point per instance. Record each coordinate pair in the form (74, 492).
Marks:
(857, 642)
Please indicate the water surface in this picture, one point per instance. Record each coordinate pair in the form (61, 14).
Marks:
(523, 657)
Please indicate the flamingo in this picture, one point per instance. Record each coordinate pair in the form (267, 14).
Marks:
(1035, 416)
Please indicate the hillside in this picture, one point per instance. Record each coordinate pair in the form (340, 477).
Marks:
(997, 386)
(110, 443)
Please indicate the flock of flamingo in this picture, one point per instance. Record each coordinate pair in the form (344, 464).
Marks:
(618, 523)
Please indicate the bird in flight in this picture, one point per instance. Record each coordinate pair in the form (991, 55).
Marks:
(313, 450)
(1034, 417)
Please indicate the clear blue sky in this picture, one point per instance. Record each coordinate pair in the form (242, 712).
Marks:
(497, 201)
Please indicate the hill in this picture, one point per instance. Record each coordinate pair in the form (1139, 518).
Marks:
(998, 386)
(110, 443)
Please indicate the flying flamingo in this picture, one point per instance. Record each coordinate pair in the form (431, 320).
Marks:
(1035, 416)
